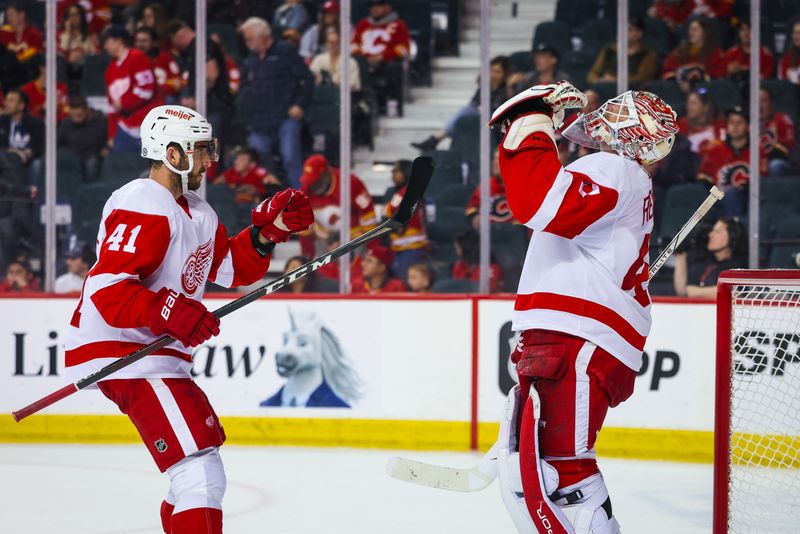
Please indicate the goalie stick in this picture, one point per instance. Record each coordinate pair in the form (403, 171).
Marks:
(420, 176)
(484, 472)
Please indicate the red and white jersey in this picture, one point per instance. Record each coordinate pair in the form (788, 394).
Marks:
(585, 272)
(148, 240)
(130, 85)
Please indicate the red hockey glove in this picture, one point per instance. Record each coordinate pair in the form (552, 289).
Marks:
(181, 317)
(283, 214)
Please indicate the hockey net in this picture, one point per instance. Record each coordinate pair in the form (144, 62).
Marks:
(757, 427)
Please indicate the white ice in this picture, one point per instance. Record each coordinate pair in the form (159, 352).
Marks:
(85, 489)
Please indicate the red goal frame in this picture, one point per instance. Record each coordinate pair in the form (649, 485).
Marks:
(725, 283)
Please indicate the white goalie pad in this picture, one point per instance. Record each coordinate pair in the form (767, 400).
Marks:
(510, 476)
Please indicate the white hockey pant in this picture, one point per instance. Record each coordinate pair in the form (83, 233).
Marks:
(583, 508)
(197, 481)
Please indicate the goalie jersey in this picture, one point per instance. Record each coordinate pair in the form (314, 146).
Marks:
(586, 269)
(148, 240)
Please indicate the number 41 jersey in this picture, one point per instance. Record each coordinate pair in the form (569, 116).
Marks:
(585, 271)
(148, 240)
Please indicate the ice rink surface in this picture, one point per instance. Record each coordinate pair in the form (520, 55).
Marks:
(87, 489)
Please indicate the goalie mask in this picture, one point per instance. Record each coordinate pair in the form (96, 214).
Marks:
(637, 125)
(177, 124)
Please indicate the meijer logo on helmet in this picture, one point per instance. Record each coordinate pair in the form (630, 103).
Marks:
(177, 113)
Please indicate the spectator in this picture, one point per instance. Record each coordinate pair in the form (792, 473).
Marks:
(19, 278)
(84, 131)
(676, 12)
(642, 61)
(410, 243)
(700, 124)
(75, 41)
(467, 267)
(322, 182)
(777, 134)
(738, 57)
(276, 92)
(165, 68)
(310, 283)
(400, 174)
(130, 87)
(420, 277)
(20, 132)
(726, 164)
(250, 181)
(696, 273)
(219, 100)
(325, 66)
(36, 95)
(12, 72)
(499, 211)
(546, 71)
(290, 21)
(155, 18)
(232, 68)
(376, 275)
(790, 62)
(383, 39)
(699, 51)
(80, 259)
(98, 13)
(499, 68)
(18, 36)
(313, 41)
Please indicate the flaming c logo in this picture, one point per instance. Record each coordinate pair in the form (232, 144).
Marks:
(196, 267)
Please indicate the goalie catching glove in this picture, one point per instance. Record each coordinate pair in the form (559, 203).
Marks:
(537, 109)
(285, 213)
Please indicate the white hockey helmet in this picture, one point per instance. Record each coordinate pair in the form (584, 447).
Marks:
(176, 124)
(637, 125)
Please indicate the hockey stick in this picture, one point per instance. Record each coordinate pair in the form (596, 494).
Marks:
(485, 471)
(713, 195)
(421, 171)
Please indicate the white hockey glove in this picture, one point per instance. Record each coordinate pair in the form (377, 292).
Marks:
(525, 113)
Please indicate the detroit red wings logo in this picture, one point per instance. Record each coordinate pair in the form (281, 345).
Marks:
(196, 267)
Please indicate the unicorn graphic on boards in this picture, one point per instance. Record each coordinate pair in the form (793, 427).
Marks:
(318, 372)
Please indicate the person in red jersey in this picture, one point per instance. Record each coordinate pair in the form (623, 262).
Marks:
(499, 212)
(158, 244)
(165, 68)
(376, 273)
(582, 310)
(249, 180)
(699, 50)
(131, 89)
(738, 57)
(383, 39)
(19, 37)
(467, 267)
(36, 94)
(777, 132)
(322, 183)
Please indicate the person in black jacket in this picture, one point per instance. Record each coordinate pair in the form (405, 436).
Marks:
(276, 92)
(84, 132)
(20, 133)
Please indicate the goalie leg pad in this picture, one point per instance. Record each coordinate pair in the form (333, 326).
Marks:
(198, 481)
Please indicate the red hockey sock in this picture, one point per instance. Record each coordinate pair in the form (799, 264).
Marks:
(197, 521)
(166, 516)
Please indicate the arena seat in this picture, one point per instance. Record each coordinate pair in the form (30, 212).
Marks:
(680, 203)
(553, 33)
(454, 285)
(788, 231)
(120, 168)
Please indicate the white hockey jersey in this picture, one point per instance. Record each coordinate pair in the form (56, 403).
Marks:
(148, 240)
(585, 272)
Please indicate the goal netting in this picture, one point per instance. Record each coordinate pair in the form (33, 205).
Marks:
(757, 434)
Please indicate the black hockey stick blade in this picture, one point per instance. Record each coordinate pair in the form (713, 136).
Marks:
(421, 172)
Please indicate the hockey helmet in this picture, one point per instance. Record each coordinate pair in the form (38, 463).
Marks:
(637, 125)
(177, 124)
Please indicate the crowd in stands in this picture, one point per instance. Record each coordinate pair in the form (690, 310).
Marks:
(273, 76)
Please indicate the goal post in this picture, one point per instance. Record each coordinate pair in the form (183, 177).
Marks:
(757, 413)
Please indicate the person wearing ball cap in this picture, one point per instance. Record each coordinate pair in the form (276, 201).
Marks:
(377, 276)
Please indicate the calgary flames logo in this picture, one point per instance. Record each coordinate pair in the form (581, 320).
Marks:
(196, 267)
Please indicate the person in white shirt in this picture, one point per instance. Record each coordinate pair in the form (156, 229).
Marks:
(325, 66)
(80, 259)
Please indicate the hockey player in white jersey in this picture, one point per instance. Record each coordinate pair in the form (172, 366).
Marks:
(157, 245)
(582, 309)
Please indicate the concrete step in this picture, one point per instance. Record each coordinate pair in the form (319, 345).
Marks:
(461, 62)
